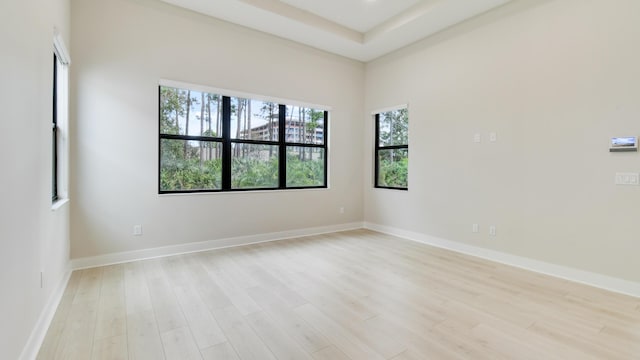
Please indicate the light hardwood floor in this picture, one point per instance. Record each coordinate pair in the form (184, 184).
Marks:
(352, 295)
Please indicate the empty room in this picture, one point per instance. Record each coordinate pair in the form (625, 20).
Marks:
(320, 180)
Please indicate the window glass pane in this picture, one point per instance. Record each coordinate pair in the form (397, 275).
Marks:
(305, 166)
(254, 120)
(190, 165)
(392, 168)
(304, 125)
(190, 112)
(394, 128)
(254, 166)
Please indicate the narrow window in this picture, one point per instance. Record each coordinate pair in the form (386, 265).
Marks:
(392, 149)
(54, 138)
(60, 121)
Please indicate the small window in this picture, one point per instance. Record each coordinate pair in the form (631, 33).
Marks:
(54, 137)
(212, 142)
(392, 149)
(59, 123)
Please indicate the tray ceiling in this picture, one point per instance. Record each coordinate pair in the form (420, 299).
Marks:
(358, 29)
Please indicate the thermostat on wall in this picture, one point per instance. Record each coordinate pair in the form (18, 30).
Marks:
(626, 143)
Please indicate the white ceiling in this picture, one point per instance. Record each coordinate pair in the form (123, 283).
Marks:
(358, 29)
(359, 15)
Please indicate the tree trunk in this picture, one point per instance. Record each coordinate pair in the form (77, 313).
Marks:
(248, 128)
(291, 124)
(186, 131)
(270, 129)
(238, 121)
(218, 98)
(209, 123)
(178, 112)
(304, 132)
(201, 154)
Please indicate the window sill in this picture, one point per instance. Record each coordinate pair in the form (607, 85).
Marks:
(290, 190)
(390, 188)
(59, 204)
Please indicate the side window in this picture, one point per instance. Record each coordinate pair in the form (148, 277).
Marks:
(392, 149)
(60, 121)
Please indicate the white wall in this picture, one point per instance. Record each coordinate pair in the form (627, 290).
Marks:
(555, 80)
(123, 48)
(33, 238)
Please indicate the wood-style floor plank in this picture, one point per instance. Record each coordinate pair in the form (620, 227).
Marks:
(110, 348)
(241, 336)
(222, 351)
(342, 296)
(280, 344)
(143, 337)
(180, 345)
(57, 327)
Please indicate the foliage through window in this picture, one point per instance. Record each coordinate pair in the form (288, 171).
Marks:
(392, 149)
(212, 142)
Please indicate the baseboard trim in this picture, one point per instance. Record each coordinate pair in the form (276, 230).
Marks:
(580, 276)
(143, 254)
(32, 347)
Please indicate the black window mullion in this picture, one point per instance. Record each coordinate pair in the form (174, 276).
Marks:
(191, 137)
(226, 143)
(54, 139)
(282, 153)
(159, 139)
(393, 147)
(377, 151)
(325, 133)
(255, 142)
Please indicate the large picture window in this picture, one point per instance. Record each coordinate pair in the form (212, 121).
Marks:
(212, 142)
(392, 149)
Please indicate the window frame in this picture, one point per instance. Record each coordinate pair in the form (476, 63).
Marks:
(54, 139)
(60, 123)
(227, 140)
(378, 148)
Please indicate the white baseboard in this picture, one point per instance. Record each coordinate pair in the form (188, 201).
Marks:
(31, 348)
(128, 256)
(585, 277)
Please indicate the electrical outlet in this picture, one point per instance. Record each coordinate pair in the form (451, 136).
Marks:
(477, 138)
(137, 230)
(475, 228)
(341, 210)
(492, 230)
(493, 137)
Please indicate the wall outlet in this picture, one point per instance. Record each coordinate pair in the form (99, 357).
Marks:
(492, 230)
(493, 137)
(475, 228)
(137, 230)
(341, 210)
(477, 138)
